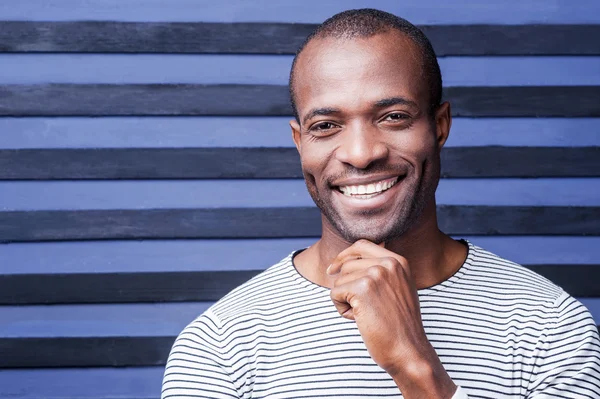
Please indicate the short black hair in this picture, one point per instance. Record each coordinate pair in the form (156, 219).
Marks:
(368, 22)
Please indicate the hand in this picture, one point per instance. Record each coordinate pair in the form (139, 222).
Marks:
(374, 287)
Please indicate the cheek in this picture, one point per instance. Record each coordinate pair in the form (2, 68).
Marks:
(418, 146)
(314, 159)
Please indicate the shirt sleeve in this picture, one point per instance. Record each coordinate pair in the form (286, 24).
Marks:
(567, 361)
(460, 394)
(197, 366)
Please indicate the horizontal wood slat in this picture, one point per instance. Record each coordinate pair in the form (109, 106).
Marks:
(153, 99)
(271, 100)
(232, 163)
(21, 289)
(58, 225)
(84, 351)
(29, 289)
(578, 280)
(498, 161)
(279, 38)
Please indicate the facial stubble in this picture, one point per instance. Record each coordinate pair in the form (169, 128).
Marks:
(420, 192)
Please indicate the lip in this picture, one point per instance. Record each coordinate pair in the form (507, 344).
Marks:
(376, 202)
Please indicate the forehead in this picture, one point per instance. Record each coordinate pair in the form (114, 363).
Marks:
(351, 73)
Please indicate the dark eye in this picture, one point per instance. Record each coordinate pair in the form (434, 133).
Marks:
(396, 117)
(323, 126)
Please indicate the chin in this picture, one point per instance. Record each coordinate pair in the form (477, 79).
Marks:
(374, 231)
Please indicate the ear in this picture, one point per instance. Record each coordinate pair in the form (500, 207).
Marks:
(443, 122)
(296, 134)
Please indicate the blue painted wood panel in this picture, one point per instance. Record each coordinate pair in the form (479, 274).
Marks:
(274, 69)
(110, 320)
(309, 11)
(179, 132)
(151, 194)
(138, 320)
(249, 254)
(89, 383)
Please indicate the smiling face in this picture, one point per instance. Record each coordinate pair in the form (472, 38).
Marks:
(368, 143)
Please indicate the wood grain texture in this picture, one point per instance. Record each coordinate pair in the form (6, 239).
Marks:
(157, 223)
(21, 226)
(84, 352)
(580, 281)
(271, 100)
(152, 99)
(276, 163)
(519, 220)
(152, 37)
(87, 288)
(82, 383)
(206, 286)
(279, 38)
(148, 163)
(543, 39)
(520, 101)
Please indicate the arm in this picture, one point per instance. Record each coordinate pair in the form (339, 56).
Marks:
(196, 366)
(567, 360)
(374, 287)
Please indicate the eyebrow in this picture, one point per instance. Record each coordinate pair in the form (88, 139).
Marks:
(387, 102)
(319, 111)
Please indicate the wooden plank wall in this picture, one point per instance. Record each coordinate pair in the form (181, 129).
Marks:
(146, 165)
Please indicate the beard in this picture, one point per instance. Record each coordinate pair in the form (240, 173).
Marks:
(372, 225)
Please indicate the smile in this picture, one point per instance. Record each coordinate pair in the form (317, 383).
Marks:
(366, 191)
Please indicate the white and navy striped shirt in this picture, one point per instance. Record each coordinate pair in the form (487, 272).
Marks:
(500, 330)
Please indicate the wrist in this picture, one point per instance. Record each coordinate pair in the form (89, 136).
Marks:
(424, 379)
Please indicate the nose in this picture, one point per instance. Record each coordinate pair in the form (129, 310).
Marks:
(360, 146)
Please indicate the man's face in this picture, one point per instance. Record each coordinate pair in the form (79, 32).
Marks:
(369, 146)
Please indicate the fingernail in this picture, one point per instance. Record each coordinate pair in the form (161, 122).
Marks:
(328, 269)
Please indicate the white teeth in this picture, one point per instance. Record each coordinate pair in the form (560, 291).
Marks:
(368, 190)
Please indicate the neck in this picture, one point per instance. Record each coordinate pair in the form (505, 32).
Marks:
(432, 255)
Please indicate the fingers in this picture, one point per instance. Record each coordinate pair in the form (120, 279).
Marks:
(362, 283)
(353, 265)
(375, 273)
(364, 249)
(344, 297)
(361, 249)
(360, 269)
(343, 307)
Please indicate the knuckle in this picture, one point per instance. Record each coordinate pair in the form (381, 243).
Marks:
(401, 265)
(334, 293)
(377, 272)
(337, 283)
(389, 263)
(403, 262)
(405, 268)
(366, 284)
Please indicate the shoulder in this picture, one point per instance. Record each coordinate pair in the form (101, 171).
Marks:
(491, 271)
(265, 293)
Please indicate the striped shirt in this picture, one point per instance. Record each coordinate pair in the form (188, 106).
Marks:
(500, 330)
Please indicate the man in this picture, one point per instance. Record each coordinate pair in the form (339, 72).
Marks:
(384, 304)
